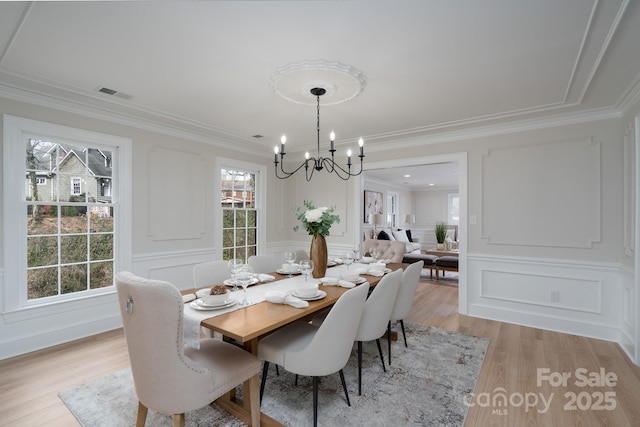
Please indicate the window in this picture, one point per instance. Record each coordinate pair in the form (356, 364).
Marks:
(392, 209)
(75, 186)
(454, 209)
(69, 237)
(239, 214)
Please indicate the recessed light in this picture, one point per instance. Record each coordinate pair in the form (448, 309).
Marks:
(407, 176)
(431, 184)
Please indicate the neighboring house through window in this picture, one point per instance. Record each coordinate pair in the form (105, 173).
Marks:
(69, 237)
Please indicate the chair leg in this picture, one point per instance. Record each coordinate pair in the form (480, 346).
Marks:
(403, 333)
(142, 415)
(344, 387)
(389, 340)
(265, 369)
(315, 401)
(359, 368)
(277, 370)
(178, 420)
(254, 401)
(381, 356)
(296, 381)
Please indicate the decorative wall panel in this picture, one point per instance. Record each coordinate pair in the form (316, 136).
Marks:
(176, 202)
(543, 195)
(629, 189)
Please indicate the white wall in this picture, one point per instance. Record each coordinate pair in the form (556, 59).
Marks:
(507, 278)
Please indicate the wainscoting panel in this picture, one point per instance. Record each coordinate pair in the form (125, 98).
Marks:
(551, 291)
(177, 173)
(543, 186)
(582, 298)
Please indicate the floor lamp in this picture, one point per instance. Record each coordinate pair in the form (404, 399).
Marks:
(376, 219)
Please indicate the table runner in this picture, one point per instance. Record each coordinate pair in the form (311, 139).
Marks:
(255, 294)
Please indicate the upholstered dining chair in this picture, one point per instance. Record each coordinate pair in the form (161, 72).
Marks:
(210, 273)
(168, 377)
(404, 300)
(376, 315)
(263, 263)
(306, 349)
(301, 254)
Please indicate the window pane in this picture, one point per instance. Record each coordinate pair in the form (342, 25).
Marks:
(251, 218)
(101, 246)
(251, 236)
(42, 219)
(42, 282)
(227, 239)
(101, 219)
(73, 278)
(101, 274)
(72, 219)
(241, 218)
(241, 237)
(42, 251)
(73, 248)
(227, 218)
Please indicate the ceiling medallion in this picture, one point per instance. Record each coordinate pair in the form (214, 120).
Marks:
(294, 82)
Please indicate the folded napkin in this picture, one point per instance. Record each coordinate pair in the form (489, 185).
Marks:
(334, 281)
(374, 272)
(199, 294)
(278, 297)
(265, 277)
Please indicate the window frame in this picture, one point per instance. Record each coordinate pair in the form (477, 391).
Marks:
(260, 189)
(16, 131)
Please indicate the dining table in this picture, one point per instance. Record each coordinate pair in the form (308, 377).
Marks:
(246, 325)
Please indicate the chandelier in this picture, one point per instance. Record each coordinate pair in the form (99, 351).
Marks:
(318, 163)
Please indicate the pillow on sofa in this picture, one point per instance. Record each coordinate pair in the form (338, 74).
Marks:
(401, 236)
(409, 235)
(389, 233)
(383, 236)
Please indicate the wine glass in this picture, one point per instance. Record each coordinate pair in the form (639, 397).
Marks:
(374, 253)
(289, 257)
(244, 276)
(356, 252)
(306, 267)
(347, 258)
(234, 265)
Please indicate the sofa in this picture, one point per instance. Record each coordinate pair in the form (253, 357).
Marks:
(399, 235)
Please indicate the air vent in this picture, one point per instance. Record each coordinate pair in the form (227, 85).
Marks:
(115, 93)
(257, 136)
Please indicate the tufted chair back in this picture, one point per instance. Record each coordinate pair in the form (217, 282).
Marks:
(392, 250)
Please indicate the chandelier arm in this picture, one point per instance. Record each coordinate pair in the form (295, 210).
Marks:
(285, 173)
(337, 169)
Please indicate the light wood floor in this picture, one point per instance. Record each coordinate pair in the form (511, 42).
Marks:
(29, 384)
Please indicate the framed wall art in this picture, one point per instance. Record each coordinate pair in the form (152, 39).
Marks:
(372, 204)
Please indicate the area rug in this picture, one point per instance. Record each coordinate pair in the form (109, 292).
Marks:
(425, 385)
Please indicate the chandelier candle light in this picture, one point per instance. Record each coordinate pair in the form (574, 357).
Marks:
(318, 163)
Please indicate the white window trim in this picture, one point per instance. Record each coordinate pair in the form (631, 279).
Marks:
(261, 194)
(14, 302)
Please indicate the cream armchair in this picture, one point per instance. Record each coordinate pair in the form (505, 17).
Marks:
(168, 377)
(388, 249)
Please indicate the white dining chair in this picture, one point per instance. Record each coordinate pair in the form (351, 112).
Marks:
(210, 273)
(307, 349)
(301, 254)
(168, 377)
(376, 315)
(404, 300)
(263, 263)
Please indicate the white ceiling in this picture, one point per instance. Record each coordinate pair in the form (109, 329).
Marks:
(431, 67)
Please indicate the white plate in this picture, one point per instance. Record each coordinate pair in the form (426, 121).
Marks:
(317, 296)
(201, 303)
(332, 263)
(229, 282)
(286, 273)
(196, 306)
(360, 280)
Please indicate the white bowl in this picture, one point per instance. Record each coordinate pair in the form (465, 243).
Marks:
(307, 290)
(291, 268)
(350, 276)
(215, 299)
(367, 259)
